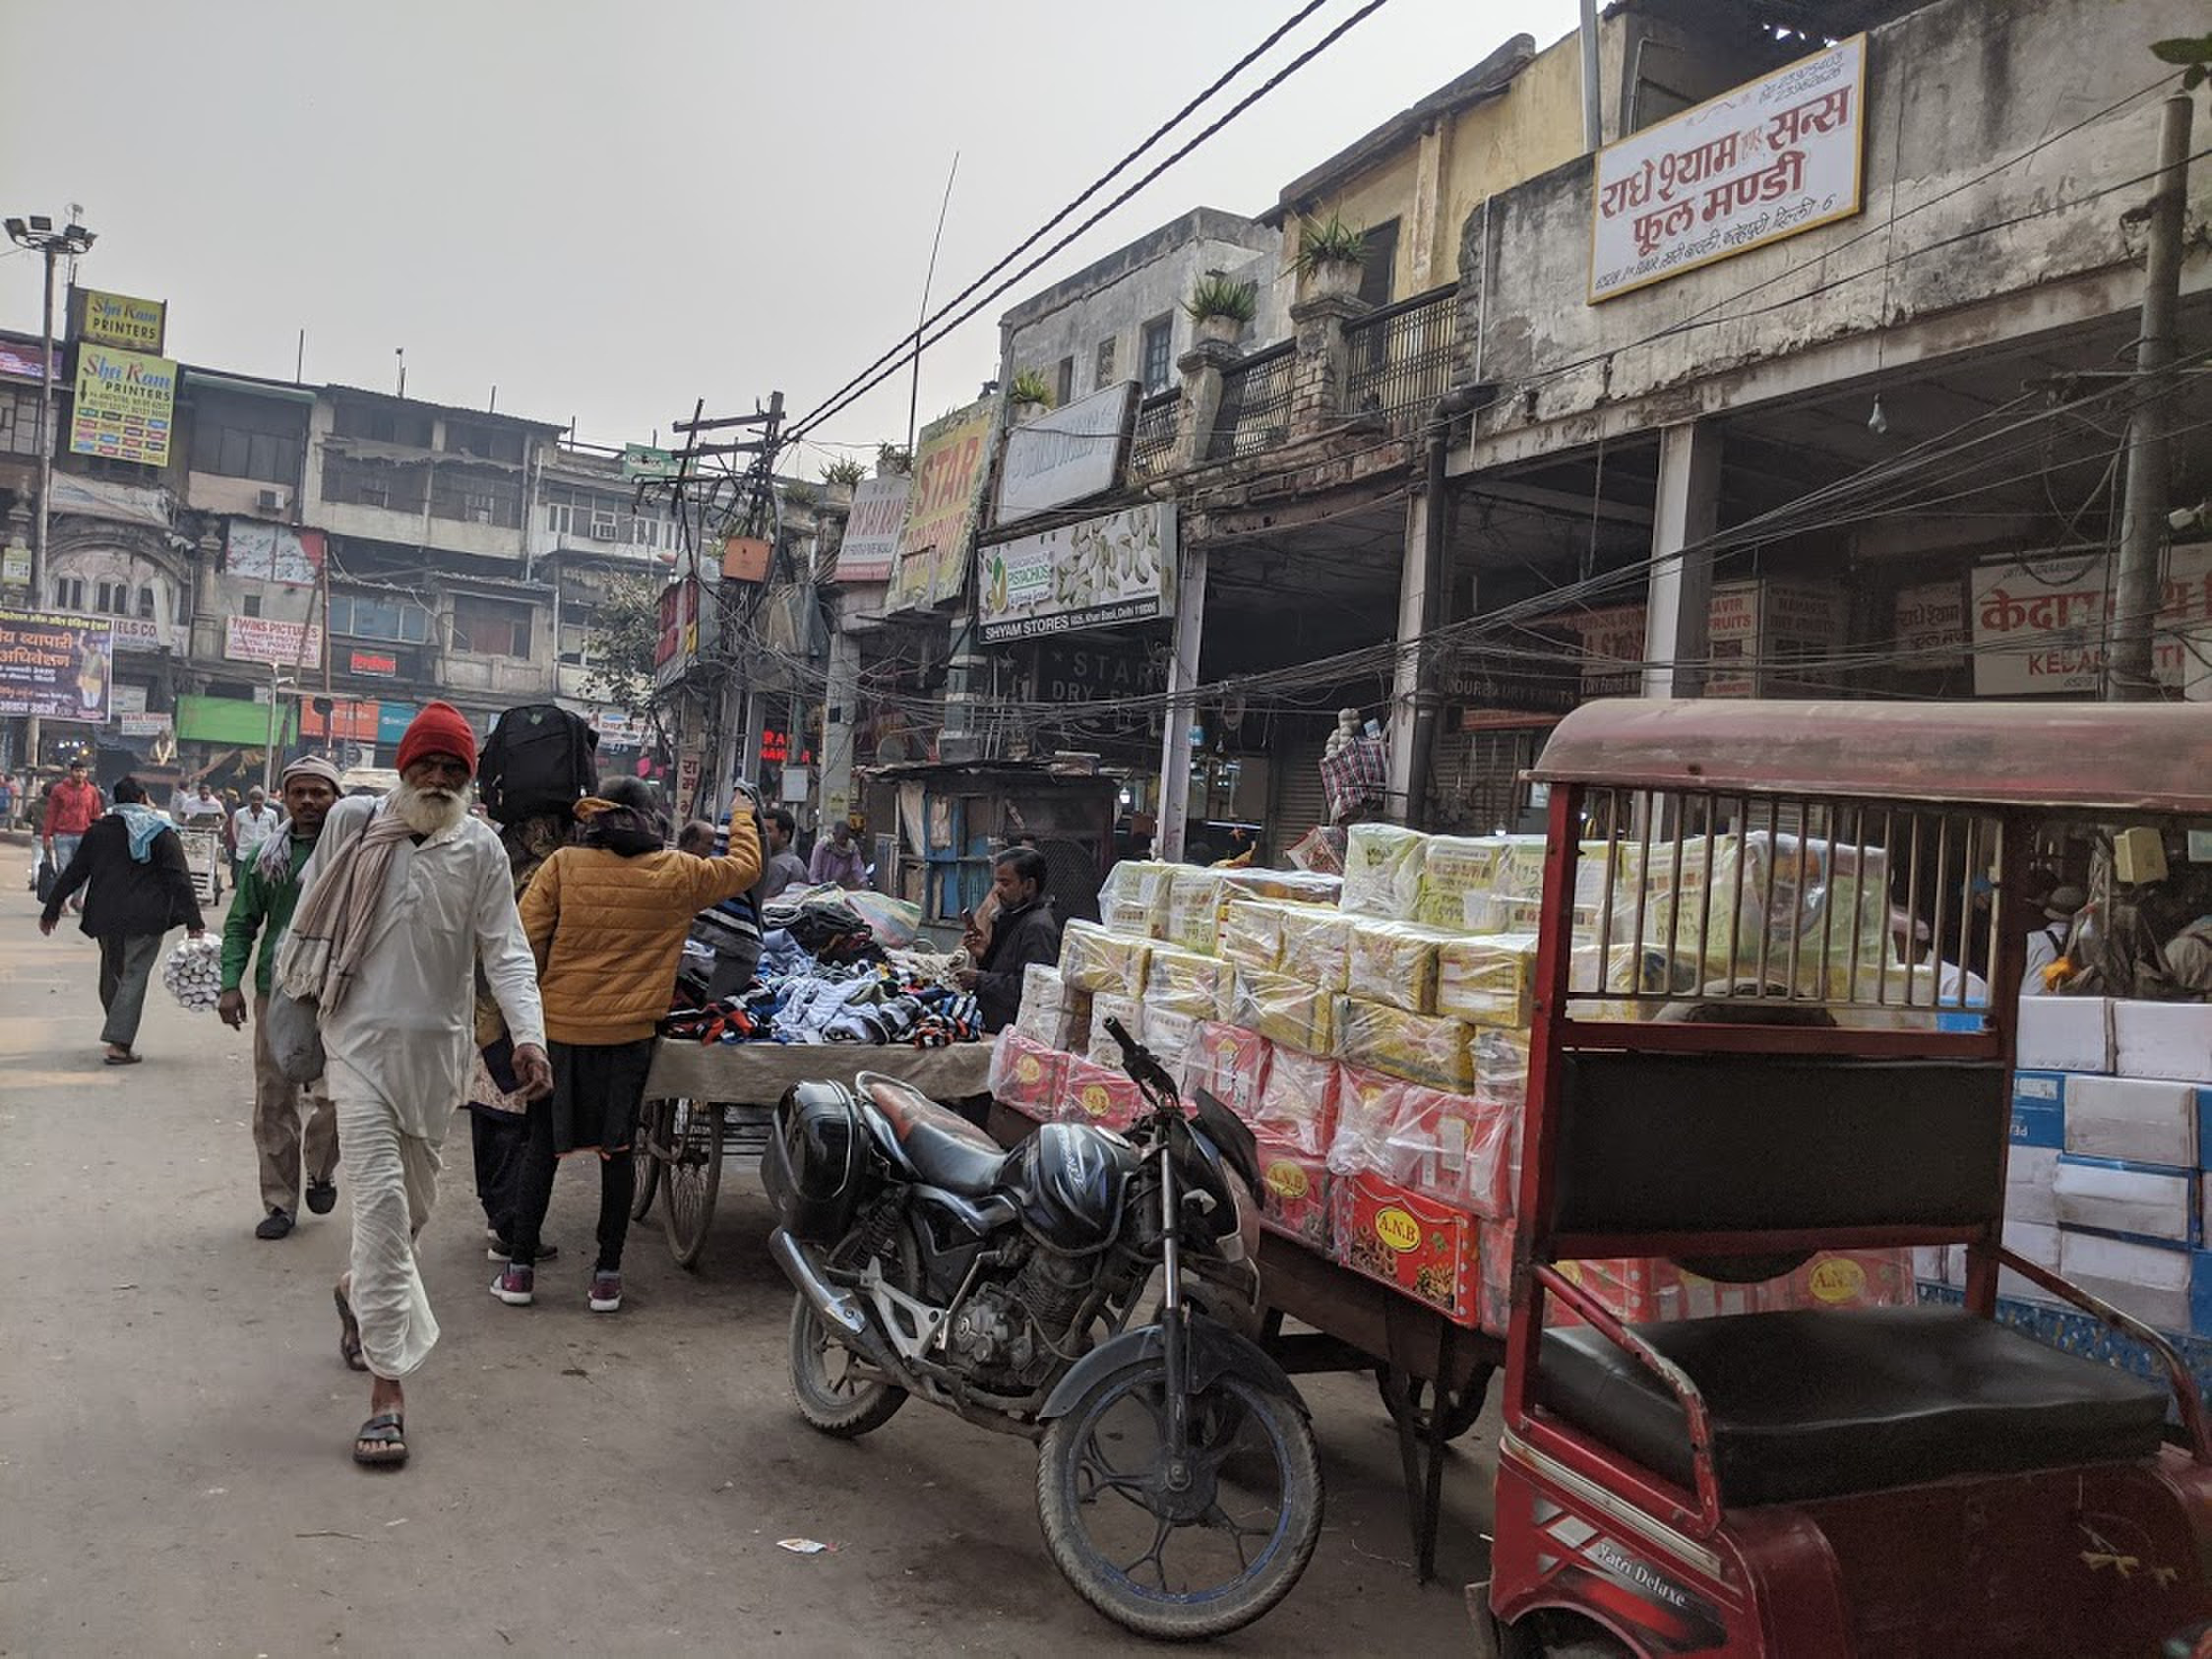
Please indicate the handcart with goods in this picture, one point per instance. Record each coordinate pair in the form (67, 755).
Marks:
(1685, 1466)
(204, 858)
(707, 1107)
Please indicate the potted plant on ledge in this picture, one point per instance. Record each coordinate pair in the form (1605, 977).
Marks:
(1029, 394)
(1220, 307)
(1330, 257)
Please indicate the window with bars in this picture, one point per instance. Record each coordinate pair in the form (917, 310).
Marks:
(69, 593)
(1159, 353)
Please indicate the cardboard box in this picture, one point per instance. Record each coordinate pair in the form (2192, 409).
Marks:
(2031, 1175)
(2035, 1242)
(1298, 1102)
(1408, 1242)
(1093, 1094)
(1052, 1012)
(2065, 1034)
(1294, 1192)
(1028, 1076)
(2152, 1281)
(1495, 1296)
(1842, 1279)
(1230, 1064)
(2134, 1120)
(2172, 1040)
(2200, 1293)
(2130, 1199)
(1929, 1265)
(2039, 1108)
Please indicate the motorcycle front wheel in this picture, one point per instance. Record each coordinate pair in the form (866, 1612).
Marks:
(1180, 1565)
(826, 1386)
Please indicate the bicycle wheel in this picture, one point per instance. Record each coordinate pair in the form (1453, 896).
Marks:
(651, 1145)
(693, 1175)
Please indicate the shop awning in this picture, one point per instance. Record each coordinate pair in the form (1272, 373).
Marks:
(227, 719)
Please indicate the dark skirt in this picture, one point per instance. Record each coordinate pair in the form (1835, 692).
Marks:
(596, 1091)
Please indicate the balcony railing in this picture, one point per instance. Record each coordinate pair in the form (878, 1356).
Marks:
(1151, 447)
(1255, 410)
(1399, 358)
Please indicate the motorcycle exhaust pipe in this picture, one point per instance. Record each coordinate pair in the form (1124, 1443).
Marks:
(839, 1310)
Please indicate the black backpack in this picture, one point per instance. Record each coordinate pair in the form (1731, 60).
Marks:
(540, 759)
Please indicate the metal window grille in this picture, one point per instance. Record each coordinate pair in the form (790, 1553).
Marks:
(1255, 405)
(1402, 356)
(1877, 916)
(1151, 449)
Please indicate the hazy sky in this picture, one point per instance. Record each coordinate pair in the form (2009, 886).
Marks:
(609, 210)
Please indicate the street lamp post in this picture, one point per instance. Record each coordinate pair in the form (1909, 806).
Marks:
(38, 234)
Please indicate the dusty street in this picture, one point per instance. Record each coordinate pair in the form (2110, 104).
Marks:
(174, 1422)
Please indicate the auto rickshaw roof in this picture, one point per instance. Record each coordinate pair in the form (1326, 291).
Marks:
(2147, 757)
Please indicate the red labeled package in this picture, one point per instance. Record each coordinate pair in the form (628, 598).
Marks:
(1230, 1064)
(1093, 1094)
(1028, 1076)
(1634, 1289)
(1294, 1192)
(1298, 1104)
(1459, 1149)
(1368, 1105)
(1494, 1297)
(1410, 1243)
(1845, 1279)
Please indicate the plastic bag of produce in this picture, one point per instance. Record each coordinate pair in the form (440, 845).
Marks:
(1368, 1103)
(1382, 864)
(1289, 1013)
(1421, 1048)
(1193, 909)
(1395, 962)
(1315, 944)
(1095, 960)
(1230, 1064)
(193, 972)
(1454, 870)
(1135, 897)
(1298, 1103)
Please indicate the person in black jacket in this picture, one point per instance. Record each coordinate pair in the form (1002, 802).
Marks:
(1024, 931)
(140, 890)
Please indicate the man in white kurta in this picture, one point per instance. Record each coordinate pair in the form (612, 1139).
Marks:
(399, 1045)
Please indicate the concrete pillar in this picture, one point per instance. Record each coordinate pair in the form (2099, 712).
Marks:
(1202, 368)
(1175, 726)
(1685, 512)
(840, 717)
(1406, 688)
(1317, 394)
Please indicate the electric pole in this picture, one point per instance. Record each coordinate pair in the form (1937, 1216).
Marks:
(2130, 672)
(38, 235)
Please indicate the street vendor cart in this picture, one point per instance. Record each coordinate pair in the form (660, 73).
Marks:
(1790, 1099)
(708, 1106)
(203, 857)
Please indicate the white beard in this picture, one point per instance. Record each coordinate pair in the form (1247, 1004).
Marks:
(428, 811)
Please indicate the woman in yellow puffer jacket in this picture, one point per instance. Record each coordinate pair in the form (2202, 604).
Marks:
(606, 920)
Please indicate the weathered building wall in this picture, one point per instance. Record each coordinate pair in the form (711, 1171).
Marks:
(1954, 91)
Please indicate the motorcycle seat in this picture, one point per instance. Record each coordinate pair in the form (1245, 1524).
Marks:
(945, 1148)
(1807, 1404)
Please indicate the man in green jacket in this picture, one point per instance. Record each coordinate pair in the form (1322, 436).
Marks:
(268, 890)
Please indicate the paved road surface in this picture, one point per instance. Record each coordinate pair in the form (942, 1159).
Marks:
(175, 1423)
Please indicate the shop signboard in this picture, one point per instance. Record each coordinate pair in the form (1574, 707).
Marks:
(1770, 160)
(950, 461)
(2041, 623)
(21, 362)
(678, 644)
(142, 725)
(1066, 453)
(1928, 629)
(272, 553)
(139, 634)
(1759, 629)
(104, 318)
(265, 638)
(871, 544)
(1100, 572)
(1069, 671)
(56, 667)
(1609, 643)
(126, 700)
(372, 664)
(393, 720)
(642, 460)
(125, 403)
(15, 565)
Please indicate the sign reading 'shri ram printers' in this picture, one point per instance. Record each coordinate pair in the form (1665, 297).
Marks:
(1114, 569)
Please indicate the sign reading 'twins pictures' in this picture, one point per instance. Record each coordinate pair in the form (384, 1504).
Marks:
(1767, 160)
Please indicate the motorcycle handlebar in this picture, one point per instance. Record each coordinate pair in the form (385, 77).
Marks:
(1138, 1059)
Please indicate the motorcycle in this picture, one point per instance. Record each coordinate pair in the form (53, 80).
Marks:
(1179, 1486)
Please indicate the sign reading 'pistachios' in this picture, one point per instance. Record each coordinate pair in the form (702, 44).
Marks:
(1115, 569)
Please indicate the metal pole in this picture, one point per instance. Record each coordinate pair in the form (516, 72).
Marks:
(914, 394)
(1593, 111)
(2130, 672)
(47, 435)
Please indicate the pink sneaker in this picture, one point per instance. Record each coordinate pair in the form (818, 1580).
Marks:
(607, 1292)
(517, 1287)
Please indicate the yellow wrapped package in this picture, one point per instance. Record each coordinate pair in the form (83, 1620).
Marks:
(1382, 864)
(1168, 1035)
(1135, 897)
(1316, 943)
(1193, 909)
(1052, 1012)
(1421, 1048)
(1184, 982)
(1457, 873)
(1285, 1011)
(1488, 979)
(1290, 886)
(1498, 1061)
(1104, 1051)
(1395, 962)
(1252, 934)
(1101, 962)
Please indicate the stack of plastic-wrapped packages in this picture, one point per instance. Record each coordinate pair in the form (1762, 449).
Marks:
(1375, 1032)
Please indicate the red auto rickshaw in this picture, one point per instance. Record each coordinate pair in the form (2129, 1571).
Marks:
(1763, 1078)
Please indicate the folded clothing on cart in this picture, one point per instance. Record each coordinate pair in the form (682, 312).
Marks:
(833, 1004)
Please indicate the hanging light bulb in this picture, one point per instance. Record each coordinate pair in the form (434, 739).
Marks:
(1878, 423)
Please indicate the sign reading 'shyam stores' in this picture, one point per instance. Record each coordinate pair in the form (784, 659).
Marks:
(1770, 159)
(1115, 569)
